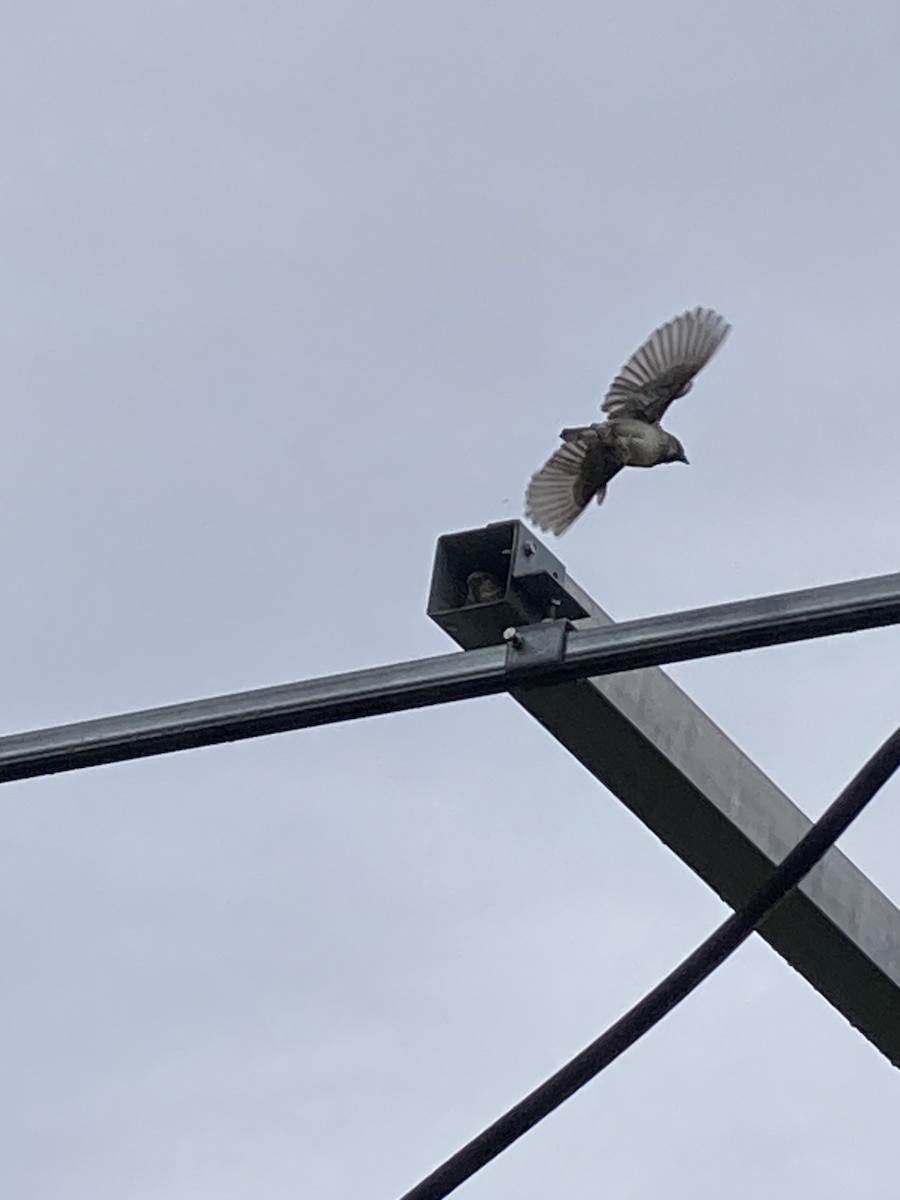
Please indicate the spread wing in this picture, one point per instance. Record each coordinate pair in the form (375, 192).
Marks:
(579, 469)
(662, 369)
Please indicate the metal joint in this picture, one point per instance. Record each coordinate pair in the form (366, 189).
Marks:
(535, 646)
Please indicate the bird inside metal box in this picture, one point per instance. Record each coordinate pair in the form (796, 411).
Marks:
(631, 436)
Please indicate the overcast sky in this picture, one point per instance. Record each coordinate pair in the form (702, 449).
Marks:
(288, 291)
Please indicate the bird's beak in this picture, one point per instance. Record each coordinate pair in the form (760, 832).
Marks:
(682, 457)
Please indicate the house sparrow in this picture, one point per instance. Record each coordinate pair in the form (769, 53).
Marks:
(631, 436)
(481, 587)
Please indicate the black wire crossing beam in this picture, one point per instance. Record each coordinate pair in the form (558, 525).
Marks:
(669, 992)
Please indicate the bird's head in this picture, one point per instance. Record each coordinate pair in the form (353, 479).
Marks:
(676, 451)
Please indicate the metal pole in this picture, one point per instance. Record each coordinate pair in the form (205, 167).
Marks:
(839, 608)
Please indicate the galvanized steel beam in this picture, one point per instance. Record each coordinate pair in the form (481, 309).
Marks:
(586, 650)
(641, 736)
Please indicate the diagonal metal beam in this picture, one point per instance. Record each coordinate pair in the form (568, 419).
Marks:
(641, 736)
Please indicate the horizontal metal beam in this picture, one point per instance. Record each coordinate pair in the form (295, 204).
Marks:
(840, 608)
(743, 625)
(324, 701)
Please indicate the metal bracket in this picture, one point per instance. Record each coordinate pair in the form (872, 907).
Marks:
(535, 646)
(486, 580)
(543, 577)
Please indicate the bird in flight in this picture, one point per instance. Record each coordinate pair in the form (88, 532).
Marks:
(631, 436)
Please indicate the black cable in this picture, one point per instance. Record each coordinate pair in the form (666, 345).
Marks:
(673, 989)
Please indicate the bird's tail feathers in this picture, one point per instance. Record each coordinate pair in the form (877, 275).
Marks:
(553, 499)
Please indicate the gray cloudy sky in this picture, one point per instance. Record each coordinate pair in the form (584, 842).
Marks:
(287, 292)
